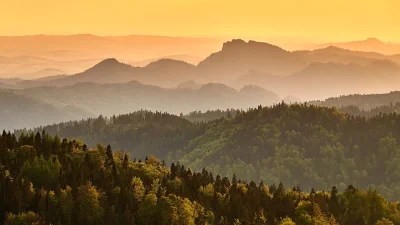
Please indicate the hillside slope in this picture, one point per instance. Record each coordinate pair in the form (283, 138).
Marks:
(299, 145)
(19, 111)
(53, 181)
(109, 99)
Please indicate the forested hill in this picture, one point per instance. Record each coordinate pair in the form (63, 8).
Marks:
(356, 111)
(45, 180)
(140, 133)
(364, 102)
(297, 144)
(364, 105)
(347, 107)
(302, 145)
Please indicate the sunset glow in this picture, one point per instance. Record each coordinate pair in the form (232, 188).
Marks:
(325, 20)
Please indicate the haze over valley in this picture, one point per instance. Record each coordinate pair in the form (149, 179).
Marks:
(241, 75)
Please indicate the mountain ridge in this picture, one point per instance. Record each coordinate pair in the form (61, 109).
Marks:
(277, 70)
(95, 99)
(370, 44)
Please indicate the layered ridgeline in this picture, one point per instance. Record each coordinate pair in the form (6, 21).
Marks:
(301, 145)
(90, 100)
(45, 180)
(359, 106)
(364, 105)
(19, 110)
(363, 101)
(182, 87)
(308, 75)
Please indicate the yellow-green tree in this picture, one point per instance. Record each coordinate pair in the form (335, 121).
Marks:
(89, 210)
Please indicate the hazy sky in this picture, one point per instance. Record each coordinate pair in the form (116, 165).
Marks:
(320, 19)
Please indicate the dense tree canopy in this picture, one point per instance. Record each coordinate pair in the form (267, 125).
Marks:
(304, 145)
(101, 186)
(301, 145)
(140, 133)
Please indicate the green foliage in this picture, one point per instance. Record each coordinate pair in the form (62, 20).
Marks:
(89, 209)
(384, 221)
(28, 218)
(286, 221)
(141, 132)
(42, 172)
(81, 193)
(298, 144)
(305, 147)
(147, 210)
(295, 144)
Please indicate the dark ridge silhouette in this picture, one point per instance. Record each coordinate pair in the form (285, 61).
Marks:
(238, 57)
(242, 46)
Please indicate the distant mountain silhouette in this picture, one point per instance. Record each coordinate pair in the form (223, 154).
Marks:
(308, 75)
(258, 78)
(341, 55)
(217, 90)
(168, 64)
(259, 92)
(10, 80)
(107, 71)
(323, 80)
(3, 85)
(367, 45)
(75, 53)
(50, 78)
(194, 60)
(84, 46)
(385, 65)
(107, 66)
(43, 81)
(238, 57)
(333, 79)
(20, 111)
(48, 72)
(164, 72)
(190, 84)
(109, 99)
(33, 67)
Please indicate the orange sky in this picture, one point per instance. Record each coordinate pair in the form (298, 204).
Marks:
(328, 20)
